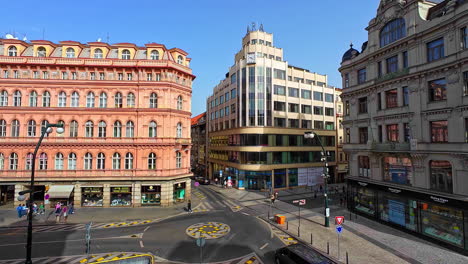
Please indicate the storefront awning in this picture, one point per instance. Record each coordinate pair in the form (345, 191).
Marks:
(60, 191)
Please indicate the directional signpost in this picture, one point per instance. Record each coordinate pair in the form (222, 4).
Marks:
(299, 203)
(339, 229)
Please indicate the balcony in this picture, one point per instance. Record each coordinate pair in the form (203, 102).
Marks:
(390, 147)
(392, 75)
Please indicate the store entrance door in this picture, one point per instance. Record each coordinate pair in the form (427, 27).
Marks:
(253, 184)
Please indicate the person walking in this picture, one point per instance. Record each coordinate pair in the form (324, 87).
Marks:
(71, 209)
(65, 213)
(35, 208)
(189, 206)
(41, 208)
(225, 184)
(272, 198)
(19, 210)
(58, 211)
(25, 211)
(321, 188)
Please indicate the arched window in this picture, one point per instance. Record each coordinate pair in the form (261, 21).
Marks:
(28, 165)
(151, 161)
(75, 99)
(74, 128)
(101, 161)
(90, 100)
(31, 128)
(155, 55)
(117, 129)
(17, 98)
(116, 161)
(12, 51)
(33, 99)
(15, 128)
(179, 102)
(62, 99)
(13, 161)
(89, 129)
(70, 53)
(179, 130)
(102, 129)
(98, 54)
(72, 161)
(152, 129)
(178, 160)
(153, 101)
(125, 54)
(103, 100)
(3, 128)
(129, 129)
(180, 59)
(130, 100)
(43, 161)
(41, 52)
(118, 100)
(2, 161)
(392, 31)
(3, 98)
(46, 99)
(88, 161)
(441, 176)
(43, 126)
(59, 161)
(129, 161)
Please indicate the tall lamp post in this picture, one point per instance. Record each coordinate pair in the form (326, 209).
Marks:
(45, 130)
(325, 174)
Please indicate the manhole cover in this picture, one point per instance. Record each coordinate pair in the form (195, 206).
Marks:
(208, 230)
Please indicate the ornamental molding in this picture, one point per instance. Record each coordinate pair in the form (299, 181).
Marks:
(462, 158)
(446, 111)
(365, 121)
(394, 116)
(418, 160)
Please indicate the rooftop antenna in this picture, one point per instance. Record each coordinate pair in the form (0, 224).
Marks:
(107, 37)
(261, 27)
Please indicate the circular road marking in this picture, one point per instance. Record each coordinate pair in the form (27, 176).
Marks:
(208, 230)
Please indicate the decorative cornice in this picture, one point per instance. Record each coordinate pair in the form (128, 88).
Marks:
(394, 116)
(437, 112)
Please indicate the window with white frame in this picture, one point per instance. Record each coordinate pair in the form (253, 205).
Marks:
(178, 160)
(89, 129)
(35, 74)
(64, 75)
(2, 161)
(41, 52)
(59, 161)
(70, 53)
(44, 124)
(72, 161)
(129, 76)
(3, 128)
(12, 51)
(17, 98)
(129, 161)
(158, 77)
(180, 59)
(153, 100)
(74, 128)
(102, 76)
(118, 100)
(62, 99)
(98, 54)
(45, 75)
(103, 100)
(46, 99)
(88, 161)
(116, 161)
(28, 163)
(13, 161)
(131, 100)
(152, 129)
(43, 161)
(32, 99)
(75, 99)
(16, 74)
(155, 55)
(15, 128)
(101, 161)
(125, 54)
(120, 76)
(129, 129)
(179, 102)
(149, 77)
(3, 98)
(90, 100)
(31, 128)
(102, 127)
(117, 129)
(6, 74)
(179, 130)
(151, 161)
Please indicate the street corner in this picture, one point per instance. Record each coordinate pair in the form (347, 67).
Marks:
(208, 230)
(285, 238)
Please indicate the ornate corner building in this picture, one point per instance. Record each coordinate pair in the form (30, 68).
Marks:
(126, 114)
(405, 97)
(257, 117)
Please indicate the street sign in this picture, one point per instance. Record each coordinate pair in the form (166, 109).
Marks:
(220, 173)
(302, 202)
(296, 201)
(47, 196)
(339, 220)
(201, 241)
(339, 229)
(197, 184)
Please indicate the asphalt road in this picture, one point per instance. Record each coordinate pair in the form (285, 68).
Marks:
(167, 239)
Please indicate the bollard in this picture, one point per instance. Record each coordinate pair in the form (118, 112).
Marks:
(347, 260)
(328, 247)
(298, 232)
(287, 225)
(311, 239)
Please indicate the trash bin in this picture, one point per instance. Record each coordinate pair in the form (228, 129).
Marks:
(281, 219)
(277, 218)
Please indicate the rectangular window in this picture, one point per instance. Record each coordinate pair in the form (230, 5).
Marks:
(64, 75)
(364, 166)
(93, 76)
(346, 108)
(5, 74)
(392, 64)
(329, 126)
(363, 135)
(120, 76)
(74, 76)
(407, 132)
(307, 124)
(15, 74)
(362, 76)
(279, 106)
(221, 99)
(405, 59)
(101, 76)
(346, 80)
(435, 50)
(149, 77)
(293, 92)
(293, 108)
(391, 98)
(36, 75)
(329, 111)
(226, 96)
(227, 110)
(305, 94)
(347, 135)
(379, 69)
(363, 105)
(397, 170)
(300, 80)
(437, 90)
(318, 124)
(279, 90)
(392, 133)
(318, 96)
(233, 108)
(465, 83)
(405, 91)
(158, 77)
(280, 122)
(464, 35)
(329, 98)
(129, 76)
(318, 110)
(233, 93)
(45, 75)
(380, 131)
(233, 78)
(293, 123)
(279, 74)
(306, 109)
(439, 131)
(379, 101)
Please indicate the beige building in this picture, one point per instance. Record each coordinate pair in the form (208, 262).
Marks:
(257, 117)
(405, 101)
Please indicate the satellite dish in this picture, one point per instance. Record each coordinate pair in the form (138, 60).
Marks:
(25, 39)
(9, 36)
(99, 40)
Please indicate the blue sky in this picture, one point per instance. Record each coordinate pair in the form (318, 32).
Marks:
(314, 34)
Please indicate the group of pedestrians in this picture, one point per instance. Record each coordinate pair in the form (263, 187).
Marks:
(62, 212)
(23, 209)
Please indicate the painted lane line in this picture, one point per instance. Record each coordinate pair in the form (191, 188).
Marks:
(146, 228)
(141, 244)
(264, 246)
(245, 213)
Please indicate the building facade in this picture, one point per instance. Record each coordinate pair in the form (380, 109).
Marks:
(198, 154)
(126, 114)
(405, 98)
(257, 117)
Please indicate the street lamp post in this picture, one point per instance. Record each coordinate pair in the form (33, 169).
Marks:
(44, 131)
(325, 174)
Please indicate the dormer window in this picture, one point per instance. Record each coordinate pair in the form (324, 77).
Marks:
(180, 60)
(70, 53)
(125, 54)
(392, 31)
(12, 51)
(98, 54)
(154, 55)
(41, 52)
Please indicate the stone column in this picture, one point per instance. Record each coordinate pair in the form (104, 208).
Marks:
(167, 189)
(188, 189)
(106, 196)
(136, 195)
(77, 196)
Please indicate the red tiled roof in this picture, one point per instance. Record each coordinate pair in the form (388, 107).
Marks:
(197, 118)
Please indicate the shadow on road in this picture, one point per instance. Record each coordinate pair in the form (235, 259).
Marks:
(188, 251)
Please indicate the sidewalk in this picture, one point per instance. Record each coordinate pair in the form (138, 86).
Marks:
(366, 241)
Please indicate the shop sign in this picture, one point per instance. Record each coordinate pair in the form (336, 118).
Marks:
(394, 190)
(120, 189)
(362, 183)
(92, 190)
(439, 200)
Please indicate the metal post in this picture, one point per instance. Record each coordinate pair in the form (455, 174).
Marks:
(201, 255)
(287, 225)
(338, 246)
(325, 179)
(347, 260)
(311, 239)
(328, 247)
(299, 227)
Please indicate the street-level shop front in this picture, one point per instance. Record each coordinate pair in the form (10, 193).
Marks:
(151, 195)
(92, 196)
(121, 196)
(433, 216)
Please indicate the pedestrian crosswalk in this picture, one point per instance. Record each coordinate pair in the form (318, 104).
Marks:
(200, 195)
(47, 260)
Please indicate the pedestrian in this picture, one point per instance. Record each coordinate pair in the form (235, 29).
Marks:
(315, 194)
(216, 181)
(35, 208)
(41, 208)
(19, 210)
(343, 189)
(225, 183)
(276, 195)
(65, 213)
(58, 210)
(25, 210)
(321, 188)
(71, 210)
(272, 197)
(189, 206)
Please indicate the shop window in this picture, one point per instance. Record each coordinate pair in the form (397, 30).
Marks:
(398, 210)
(280, 178)
(293, 176)
(121, 196)
(150, 195)
(442, 223)
(397, 170)
(364, 200)
(179, 192)
(364, 166)
(441, 176)
(92, 196)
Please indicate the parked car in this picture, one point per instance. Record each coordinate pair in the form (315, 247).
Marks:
(299, 254)
(202, 180)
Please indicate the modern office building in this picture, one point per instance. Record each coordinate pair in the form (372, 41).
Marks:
(405, 98)
(257, 117)
(126, 113)
(198, 153)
